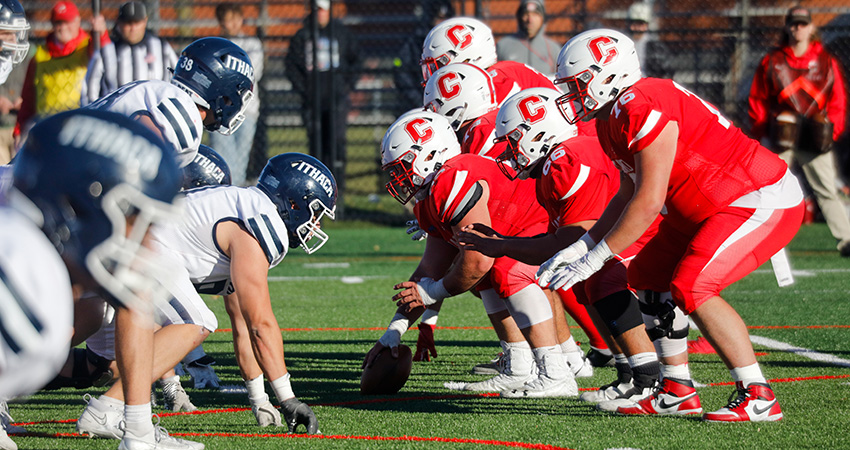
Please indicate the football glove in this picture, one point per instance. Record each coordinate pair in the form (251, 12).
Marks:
(266, 414)
(203, 374)
(563, 258)
(418, 233)
(582, 269)
(298, 413)
(425, 348)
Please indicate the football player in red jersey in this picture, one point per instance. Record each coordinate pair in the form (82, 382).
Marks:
(729, 205)
(464, 94)
(465, 39)
(575, 181)
(422, 157)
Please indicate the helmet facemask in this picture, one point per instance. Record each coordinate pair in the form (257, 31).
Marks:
(578, 102)
(431, 65)
(123, 265)
(236, 119)
(404, 181)
(311, 230)
(16, 49)
(512, 161)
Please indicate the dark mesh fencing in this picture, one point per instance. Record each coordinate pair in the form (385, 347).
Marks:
(710, 47)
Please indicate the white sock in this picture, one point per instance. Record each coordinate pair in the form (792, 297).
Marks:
(620, 358)
(519, 344)
(540, 352)
(174, 379)
(569, 345)
(748, 374)
(137, 419)
(680, 372)
(642, 358)
(256, 391)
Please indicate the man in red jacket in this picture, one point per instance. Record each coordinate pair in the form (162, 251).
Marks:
(797, 101)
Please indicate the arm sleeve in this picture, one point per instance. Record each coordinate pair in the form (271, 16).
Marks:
(837, 106)
(758, 101)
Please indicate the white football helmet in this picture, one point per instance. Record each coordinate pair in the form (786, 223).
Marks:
(461, 39)
(413, 150)
(460, 92)
(13, 24)
(530, 123)
(595, 66)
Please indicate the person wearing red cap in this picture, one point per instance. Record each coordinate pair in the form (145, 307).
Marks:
(55, 74)
(797, 105)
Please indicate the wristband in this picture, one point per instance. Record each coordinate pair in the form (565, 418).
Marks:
(282, 388)
(398, 326)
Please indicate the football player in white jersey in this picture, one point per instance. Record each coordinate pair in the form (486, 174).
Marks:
(212, 85)
(232, 237)
(93, 182)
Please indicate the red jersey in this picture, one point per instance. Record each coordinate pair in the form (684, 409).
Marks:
(577, 182)
(715, 162)
(513, 209)
(479, 135)
(510, 77)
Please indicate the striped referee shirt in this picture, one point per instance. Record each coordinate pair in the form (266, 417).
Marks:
(119, 63)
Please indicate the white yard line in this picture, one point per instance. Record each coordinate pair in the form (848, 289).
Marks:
(800, 351)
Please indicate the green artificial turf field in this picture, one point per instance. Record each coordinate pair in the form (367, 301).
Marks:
(333, 306)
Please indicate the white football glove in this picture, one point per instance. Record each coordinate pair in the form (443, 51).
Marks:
(431, 291)
(582, 269)
(266, 414)
(563, 258)
(414, 229)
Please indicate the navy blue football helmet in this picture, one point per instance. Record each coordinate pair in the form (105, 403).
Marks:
(303, 190)
(207, 169)
(95, 181)
(12, 20)
(219, 76)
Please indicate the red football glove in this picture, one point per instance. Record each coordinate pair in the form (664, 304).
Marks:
(425, 348)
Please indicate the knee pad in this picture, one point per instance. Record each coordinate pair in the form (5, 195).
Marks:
(620, 312)
(529, 306)
(661, 316)
(492, 302)
(80, 377)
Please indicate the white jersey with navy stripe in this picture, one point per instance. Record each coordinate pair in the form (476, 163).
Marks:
(193, 244)
(171, 109)
(36, 307)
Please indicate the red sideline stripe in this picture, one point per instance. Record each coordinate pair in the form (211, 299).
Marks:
(383, 438)
(424, 397)
(751, 327)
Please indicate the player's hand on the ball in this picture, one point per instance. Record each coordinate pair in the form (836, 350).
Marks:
(373, 353)
(266, 414)
(297, 413)
(425, 347)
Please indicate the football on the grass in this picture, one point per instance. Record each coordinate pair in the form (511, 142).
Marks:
(387, 374)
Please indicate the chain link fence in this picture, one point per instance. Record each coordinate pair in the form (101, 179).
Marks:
(709, 46)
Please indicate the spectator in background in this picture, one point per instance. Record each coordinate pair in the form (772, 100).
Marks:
(798, 102)
(530, 45)
(338, 63)
(55, 74)
(135, 53)
(236, 148)
(408, 74)
(652, 53)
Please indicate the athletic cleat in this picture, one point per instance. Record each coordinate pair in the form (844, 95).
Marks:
(581, 367)
(499, 383)
(669, 397)
(156, 439)
(700, 345)
(6, 443)
(599, 359)
(629, 397)
(100, 420)
(176, 398)
(611, 391)
(555, 379)
(755, 403)
(6, 421)
(494, 367)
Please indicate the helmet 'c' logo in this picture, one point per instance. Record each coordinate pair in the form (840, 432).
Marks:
(603, 49)
(419, 131)
(459, 36)
(449, 85)
(532, 109)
